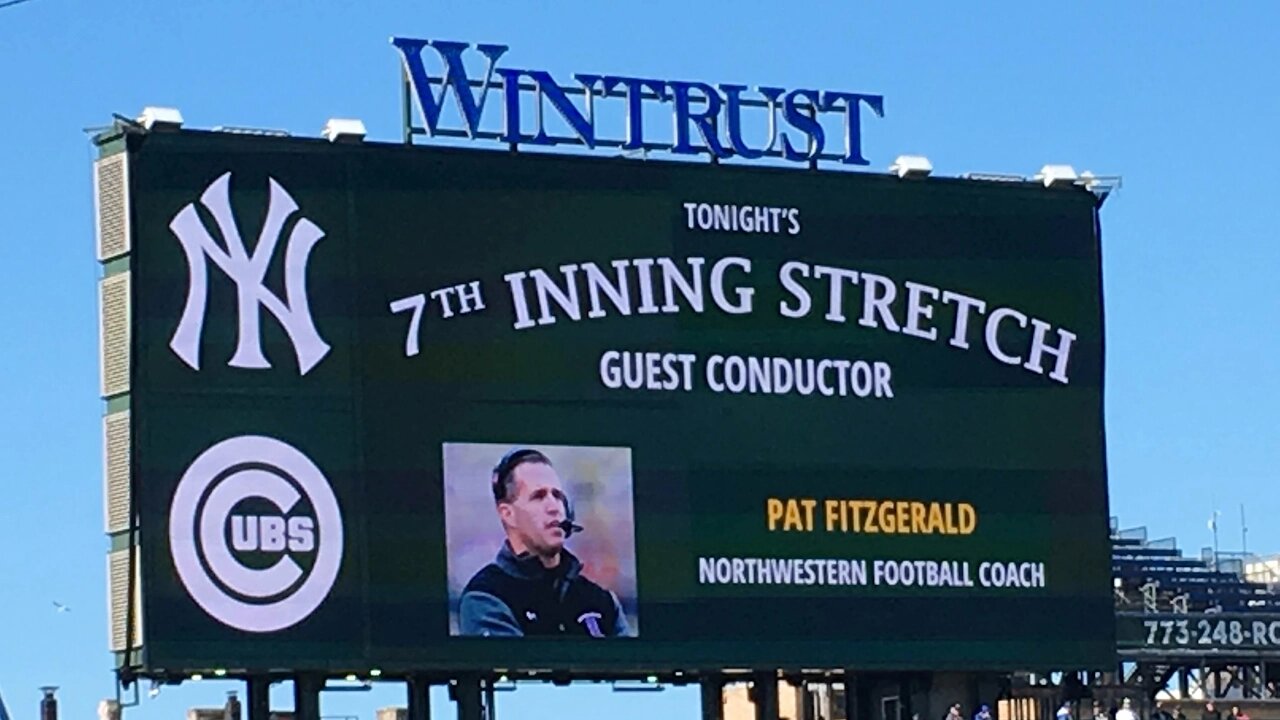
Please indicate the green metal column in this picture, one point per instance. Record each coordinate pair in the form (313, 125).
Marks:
(712, 697)
(764, 692)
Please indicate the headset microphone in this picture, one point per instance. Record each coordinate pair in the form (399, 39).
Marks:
(567, 524)
(569, 528)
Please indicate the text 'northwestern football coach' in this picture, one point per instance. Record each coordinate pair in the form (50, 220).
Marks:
(535, 586)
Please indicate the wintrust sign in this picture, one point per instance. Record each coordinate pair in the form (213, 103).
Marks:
(708, 119)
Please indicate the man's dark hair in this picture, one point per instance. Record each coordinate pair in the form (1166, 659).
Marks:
(503, 480)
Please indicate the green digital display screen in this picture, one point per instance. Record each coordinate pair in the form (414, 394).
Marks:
(438, 409)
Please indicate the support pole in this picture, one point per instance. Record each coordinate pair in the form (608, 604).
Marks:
(974, 689)
(406, 112)
(258, 693)
(419, 705)
(809, 698)
(712, 697)
(490, 700)
(851, 696)
(904, 697)
(306, 696)
(467, 696)
(765, 695)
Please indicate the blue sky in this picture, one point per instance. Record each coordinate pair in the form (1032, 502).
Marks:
(1179, 98)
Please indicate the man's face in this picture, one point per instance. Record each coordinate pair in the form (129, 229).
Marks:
(532, 516)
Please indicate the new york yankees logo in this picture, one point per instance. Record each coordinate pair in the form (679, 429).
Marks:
(248, 272)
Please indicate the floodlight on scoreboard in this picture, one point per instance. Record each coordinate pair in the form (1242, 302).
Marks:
(1057, 175)
(344, 129)
(160, 118)
(911, 166)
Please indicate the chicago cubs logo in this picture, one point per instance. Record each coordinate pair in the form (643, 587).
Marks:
(256, 533)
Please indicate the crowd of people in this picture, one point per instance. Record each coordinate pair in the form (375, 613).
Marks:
(1163, 711)
(1125, 711)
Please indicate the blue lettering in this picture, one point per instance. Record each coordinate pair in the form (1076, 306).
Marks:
(696, 106)
(853, 120)
(635, 96)
(583, 125)
(705, 121)
(798, 116)
(455, 77)
(733, 119)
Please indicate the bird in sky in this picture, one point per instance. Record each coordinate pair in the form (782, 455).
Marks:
(59, 607)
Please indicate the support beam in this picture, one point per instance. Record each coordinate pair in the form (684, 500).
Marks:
(306, 696)
(712, 697)
(765, 695)
(258, 694)
(419, 705)
(852, 711)
(805, 699)
(904, 697)
(466, 693)
(490, 700)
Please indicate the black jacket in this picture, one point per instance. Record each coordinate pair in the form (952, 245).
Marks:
(515, 595)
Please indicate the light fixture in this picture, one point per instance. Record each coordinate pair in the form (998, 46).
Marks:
(350, 677)
(1057, 175)
(634, 686)
(220, 672)
(344, 129)
(375, 673)
(911, 166)
(160, 118)
(196, 677)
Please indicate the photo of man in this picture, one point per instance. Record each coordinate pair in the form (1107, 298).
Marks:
(534, 584)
